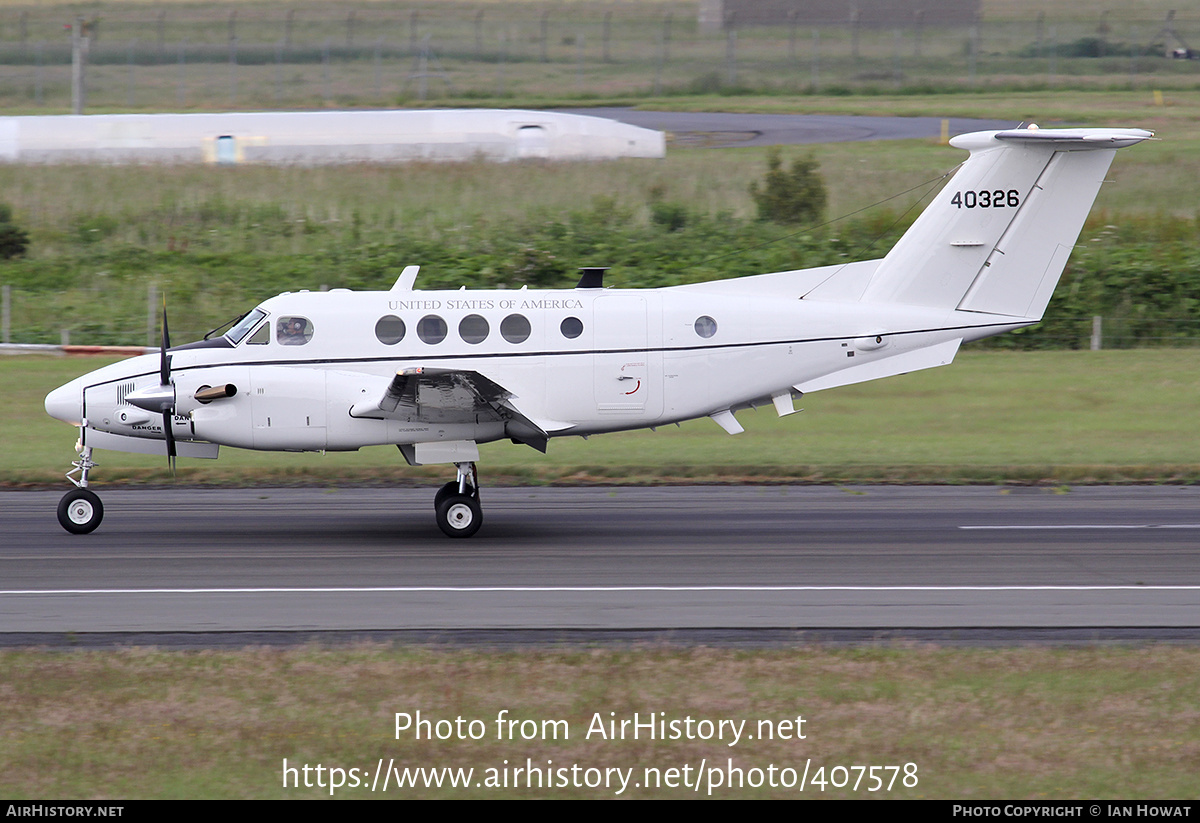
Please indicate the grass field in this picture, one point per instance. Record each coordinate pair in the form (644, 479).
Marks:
(1008, 724)
(991, 417)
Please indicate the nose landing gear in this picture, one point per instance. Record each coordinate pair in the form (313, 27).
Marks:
(80, 510)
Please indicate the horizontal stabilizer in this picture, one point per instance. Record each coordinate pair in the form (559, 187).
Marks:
(940, 355)
(1074, 139)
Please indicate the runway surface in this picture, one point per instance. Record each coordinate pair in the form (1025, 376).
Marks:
(723, 129)
(683, 558)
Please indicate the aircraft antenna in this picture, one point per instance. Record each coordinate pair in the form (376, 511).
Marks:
(591, 277)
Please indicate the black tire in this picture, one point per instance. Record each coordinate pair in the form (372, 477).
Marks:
(459, 515)
(80, 511)
(449, 489)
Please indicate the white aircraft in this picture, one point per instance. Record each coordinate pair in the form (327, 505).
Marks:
(438, 372)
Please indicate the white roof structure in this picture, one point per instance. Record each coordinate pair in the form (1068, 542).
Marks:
(316, 138)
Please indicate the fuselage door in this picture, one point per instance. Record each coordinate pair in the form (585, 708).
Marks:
(623, 374)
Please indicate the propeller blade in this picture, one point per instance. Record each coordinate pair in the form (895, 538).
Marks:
(164, 368)
(169, 433)
(164, 373)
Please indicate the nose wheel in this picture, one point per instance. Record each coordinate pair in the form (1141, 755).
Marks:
(457, 504)
(80, 511)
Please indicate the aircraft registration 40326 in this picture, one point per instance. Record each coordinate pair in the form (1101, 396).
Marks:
(438, 372)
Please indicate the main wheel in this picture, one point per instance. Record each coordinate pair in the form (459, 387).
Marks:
(449, 489)
(459, 515)
(80, 511)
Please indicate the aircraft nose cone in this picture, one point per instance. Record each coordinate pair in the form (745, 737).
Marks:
(65, 404)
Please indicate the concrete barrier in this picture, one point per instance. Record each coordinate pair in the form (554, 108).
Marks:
(58, 351)
(316, 138)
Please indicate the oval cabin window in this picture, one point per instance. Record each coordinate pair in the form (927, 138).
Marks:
(390, 330)
(431, 329)
(473, 329)
(515, 328)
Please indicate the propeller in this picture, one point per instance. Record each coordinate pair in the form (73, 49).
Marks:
(161, 398)
(164, 376)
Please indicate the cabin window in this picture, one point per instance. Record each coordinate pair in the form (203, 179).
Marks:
(571, 327)
(261, 337)
(243, 326)
(515, 328)
(293, 331)
(473, 329)
(431, 329)
(390, 329)
(706, 327)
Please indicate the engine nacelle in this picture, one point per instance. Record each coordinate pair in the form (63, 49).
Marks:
(216, 413)
(226, 423)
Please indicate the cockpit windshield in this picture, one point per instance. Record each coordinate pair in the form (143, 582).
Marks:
(243, 328)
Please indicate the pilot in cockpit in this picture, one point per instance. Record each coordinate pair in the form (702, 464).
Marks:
(291, 331)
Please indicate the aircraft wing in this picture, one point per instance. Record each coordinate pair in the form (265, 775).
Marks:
(433, 395)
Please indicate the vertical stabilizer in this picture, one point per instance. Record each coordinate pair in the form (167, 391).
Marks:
(997, 237)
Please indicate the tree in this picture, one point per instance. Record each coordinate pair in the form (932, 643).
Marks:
(793, 196)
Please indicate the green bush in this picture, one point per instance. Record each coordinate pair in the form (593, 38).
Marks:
(671, 216)
(794, 196)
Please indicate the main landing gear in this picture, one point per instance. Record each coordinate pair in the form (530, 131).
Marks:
(457, 503)
(80, 511)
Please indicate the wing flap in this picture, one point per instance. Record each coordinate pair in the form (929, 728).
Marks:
(432, 395)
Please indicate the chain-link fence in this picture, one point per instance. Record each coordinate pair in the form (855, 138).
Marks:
(271, 56)
(1100, 333)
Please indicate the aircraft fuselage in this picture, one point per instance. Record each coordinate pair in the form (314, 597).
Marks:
(588, 360)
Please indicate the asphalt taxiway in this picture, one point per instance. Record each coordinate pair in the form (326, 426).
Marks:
(609, 559)
(726, 129)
